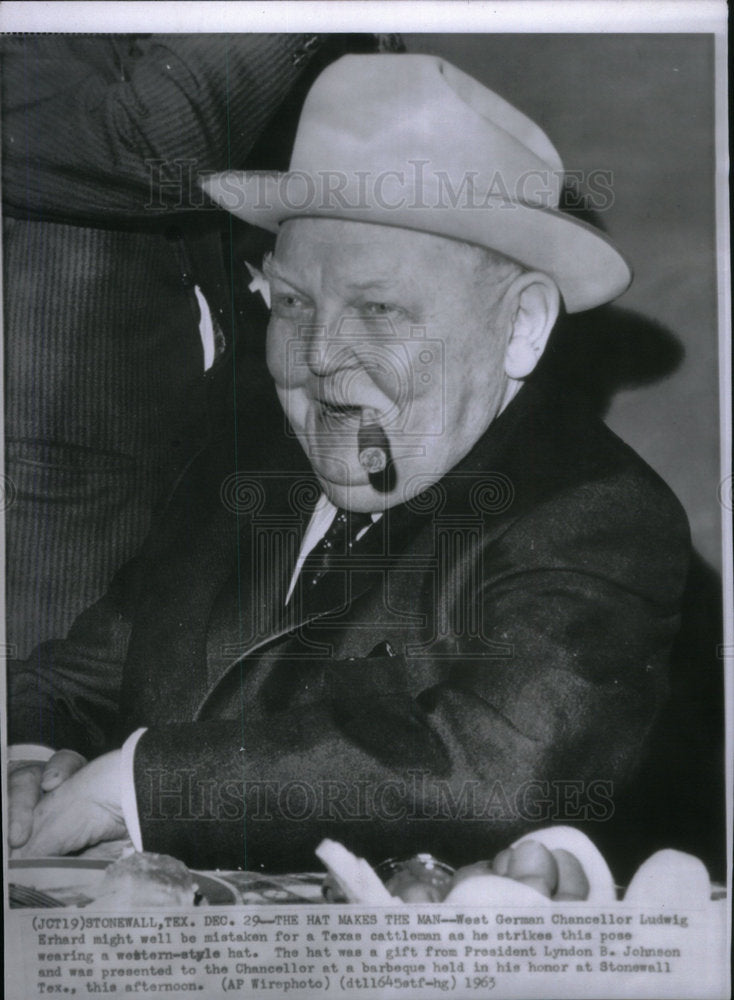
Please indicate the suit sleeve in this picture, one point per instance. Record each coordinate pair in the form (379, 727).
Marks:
(132, 147)
(66, 694)
(579, 607)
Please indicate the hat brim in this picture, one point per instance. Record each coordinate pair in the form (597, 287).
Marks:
(588, 269)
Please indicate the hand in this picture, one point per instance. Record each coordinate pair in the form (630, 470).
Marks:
(83, 810)
(26, 784)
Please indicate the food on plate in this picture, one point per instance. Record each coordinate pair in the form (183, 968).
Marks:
(572, 880)
(353, 876)
(539, 862)
(670, 878)
(530, 862)
(331, 890)
(144, 879)
(552, 865)
(469, 871)
(418, 879)
(594, 869)
(494, 890)
(412, 890)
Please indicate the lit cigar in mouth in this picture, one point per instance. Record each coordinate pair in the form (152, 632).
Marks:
(373, 449)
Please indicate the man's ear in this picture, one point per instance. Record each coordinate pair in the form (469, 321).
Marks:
(536, 302)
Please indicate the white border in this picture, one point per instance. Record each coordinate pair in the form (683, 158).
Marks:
(542, 16)
(454, 16)
(726, 488)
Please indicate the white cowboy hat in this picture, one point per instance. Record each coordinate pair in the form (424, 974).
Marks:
(411, 141)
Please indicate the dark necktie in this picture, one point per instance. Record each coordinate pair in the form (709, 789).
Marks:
(334, 546)
(316, 588)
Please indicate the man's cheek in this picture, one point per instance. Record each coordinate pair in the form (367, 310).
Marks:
(422, 406)
(274, 352)
(280, 354)
(296, 406)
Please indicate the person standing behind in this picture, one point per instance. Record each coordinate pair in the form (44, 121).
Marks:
(116, 291)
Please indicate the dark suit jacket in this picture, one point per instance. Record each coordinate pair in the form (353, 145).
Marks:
(491, 655)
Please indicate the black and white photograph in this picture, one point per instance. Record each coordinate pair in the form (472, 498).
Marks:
(367, 499)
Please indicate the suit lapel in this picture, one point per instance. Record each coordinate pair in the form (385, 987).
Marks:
(250, 612)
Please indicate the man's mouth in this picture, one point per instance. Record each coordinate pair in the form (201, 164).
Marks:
(340, 411)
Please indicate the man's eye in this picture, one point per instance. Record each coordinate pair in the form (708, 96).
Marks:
(288, 302)
(377, 309)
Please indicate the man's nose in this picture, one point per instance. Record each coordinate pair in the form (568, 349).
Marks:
(327, 350)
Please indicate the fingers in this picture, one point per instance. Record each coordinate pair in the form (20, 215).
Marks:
(55, 833)
(26, 784)
(59, 818)
(24, 791)
(83, 810)
(60, 767)
(67, 826)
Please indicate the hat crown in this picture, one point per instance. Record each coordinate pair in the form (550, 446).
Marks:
(411, 141)
(378, 114)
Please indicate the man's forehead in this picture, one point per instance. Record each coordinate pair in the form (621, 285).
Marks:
(344, 244)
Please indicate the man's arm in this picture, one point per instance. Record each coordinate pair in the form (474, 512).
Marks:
(132, 147)
(65, 695)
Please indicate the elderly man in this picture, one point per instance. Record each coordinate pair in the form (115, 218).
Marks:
(431, 607)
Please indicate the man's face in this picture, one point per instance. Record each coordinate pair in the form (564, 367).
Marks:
(396, 321)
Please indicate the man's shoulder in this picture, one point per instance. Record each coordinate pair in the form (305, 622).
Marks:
(579, 498)
(556, 448)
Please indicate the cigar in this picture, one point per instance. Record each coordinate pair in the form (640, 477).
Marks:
(373, 449)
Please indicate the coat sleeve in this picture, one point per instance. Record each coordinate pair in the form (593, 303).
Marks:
(582, 596)
(65, 694)
(136, 130)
